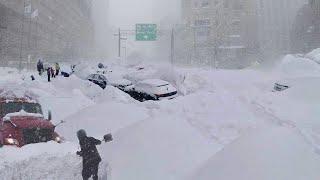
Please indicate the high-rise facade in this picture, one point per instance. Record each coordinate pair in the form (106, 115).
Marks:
(54, 30)
(305, 34)
(275, 21)
(218, 28)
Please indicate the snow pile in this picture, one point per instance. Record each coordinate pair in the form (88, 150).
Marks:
(229, 125)
(314, 55)
(101, 119)
(5, 71)
(276, 153)
(292, 66)
(49, 161)
(158, 148)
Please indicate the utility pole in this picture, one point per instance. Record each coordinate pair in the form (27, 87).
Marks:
(22, 34)
(119, 43)
(120, 38)
(172, 46)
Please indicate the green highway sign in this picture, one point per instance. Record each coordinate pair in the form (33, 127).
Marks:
(146, 32)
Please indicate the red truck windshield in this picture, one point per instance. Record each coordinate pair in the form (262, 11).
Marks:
(13, 107)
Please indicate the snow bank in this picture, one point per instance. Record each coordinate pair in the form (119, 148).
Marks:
(277, 153)
(314, 55)
(49, 161)
(292, 66)
(157, 148)
(101, 119)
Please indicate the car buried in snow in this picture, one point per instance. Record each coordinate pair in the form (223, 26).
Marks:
(121, 84)
(152, 89)
(22, 122)
(98, 79)
(303, 83)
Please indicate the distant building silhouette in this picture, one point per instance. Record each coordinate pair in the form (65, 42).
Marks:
(305, 35)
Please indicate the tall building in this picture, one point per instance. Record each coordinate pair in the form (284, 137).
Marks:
(305, 34)
(315, 4)
(218, 30)
(54, 30)
(275, 20)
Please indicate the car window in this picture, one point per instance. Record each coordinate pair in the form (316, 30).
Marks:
(101, 77)
(95, 77)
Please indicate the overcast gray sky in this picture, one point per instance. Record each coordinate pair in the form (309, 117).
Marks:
(110, 14)
(129, 12)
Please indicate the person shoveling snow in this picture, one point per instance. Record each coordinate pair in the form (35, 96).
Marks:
(90, 155)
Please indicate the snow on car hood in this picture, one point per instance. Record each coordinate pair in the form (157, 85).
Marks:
(22, 113)
(154, 82)
(23, 119)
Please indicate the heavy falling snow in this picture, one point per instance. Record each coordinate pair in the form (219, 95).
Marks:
(224, 125)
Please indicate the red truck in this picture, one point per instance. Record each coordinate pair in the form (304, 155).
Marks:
(22, 122)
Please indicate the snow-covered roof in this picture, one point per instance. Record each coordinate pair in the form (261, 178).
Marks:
(154, 82)
(124, 82)
(23, 113)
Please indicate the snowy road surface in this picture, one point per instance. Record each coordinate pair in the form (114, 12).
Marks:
(228, 125)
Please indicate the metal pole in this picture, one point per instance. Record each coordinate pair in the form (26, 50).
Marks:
(172, 46)
(22, 34)
(119, 43)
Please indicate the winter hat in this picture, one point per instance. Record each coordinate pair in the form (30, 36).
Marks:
(81, 134)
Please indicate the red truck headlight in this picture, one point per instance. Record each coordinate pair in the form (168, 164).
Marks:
(11, 141)
(58, 139)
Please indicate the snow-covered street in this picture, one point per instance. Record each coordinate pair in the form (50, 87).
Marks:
(225, 124)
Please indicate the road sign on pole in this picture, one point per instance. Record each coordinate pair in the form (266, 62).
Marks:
(146, 32)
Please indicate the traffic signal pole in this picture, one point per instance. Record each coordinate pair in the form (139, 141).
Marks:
(119, 43)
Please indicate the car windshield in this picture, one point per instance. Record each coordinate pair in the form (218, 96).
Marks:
(13, 107)
(163, 85)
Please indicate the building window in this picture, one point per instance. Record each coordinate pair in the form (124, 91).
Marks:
(202, 22)
(202, 34)
(201, 3)
(205, 3)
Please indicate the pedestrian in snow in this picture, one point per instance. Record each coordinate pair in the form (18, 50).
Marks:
(49, 74)
(40, 67)
(53, 75)
(57, 69)
(90, 155)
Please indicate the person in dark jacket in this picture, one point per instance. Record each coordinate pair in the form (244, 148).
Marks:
(49, 74)
(40, 67)
(90, 155)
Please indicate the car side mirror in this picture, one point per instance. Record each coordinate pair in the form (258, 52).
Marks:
(49, 115)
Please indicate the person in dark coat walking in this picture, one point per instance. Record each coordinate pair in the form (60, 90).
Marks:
(40, 67)
(49, 74)
(90, 155)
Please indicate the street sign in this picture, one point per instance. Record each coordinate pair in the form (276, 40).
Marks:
(146, 32)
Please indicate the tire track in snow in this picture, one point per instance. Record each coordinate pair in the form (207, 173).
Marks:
(310, 137)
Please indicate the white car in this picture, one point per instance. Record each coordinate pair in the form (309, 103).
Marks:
(152, 89)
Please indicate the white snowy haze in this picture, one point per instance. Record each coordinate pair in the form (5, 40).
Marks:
(110, 15)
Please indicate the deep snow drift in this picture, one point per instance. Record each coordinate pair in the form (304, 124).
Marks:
(226, 124)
